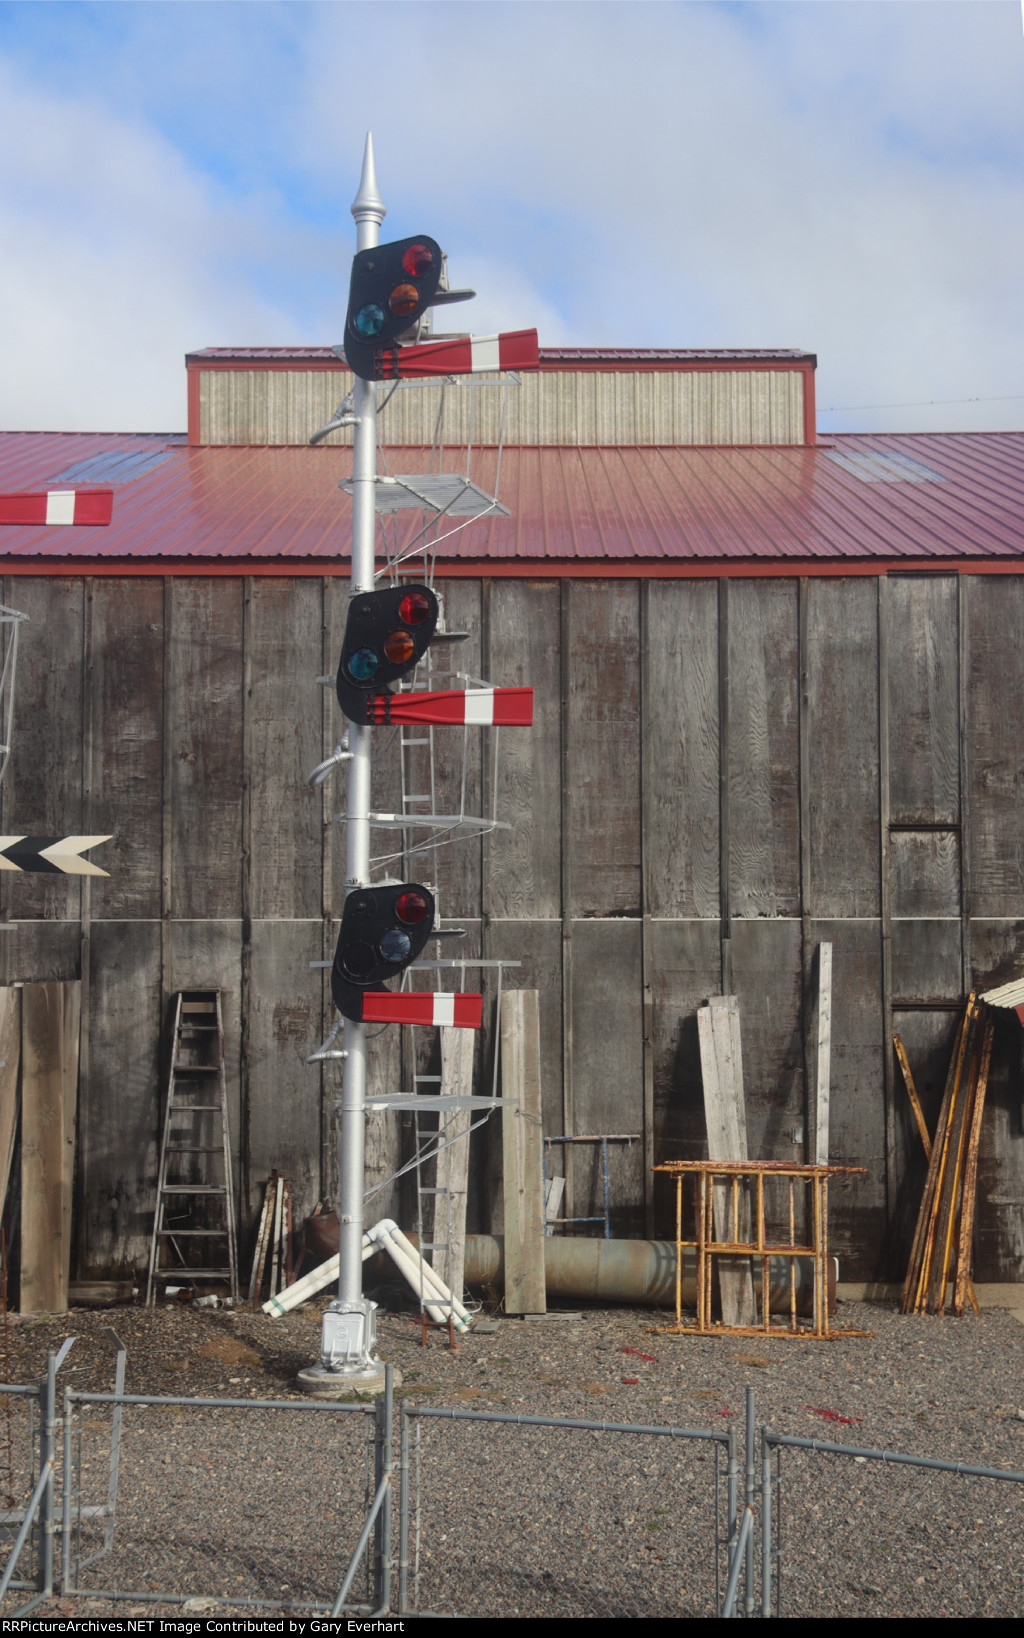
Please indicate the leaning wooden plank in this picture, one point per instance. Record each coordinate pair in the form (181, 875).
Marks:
(42, 1149)
(718, 1029)
(275, 1241)
(522, 1172)
(915, 1102)
(554, 1188)
(963, 1288)
(452, 1175)
(910, 1283)
(941, 1160)
(721, 1065)
(263, 1240)
(822, 1054)
(72, 1022)
(947, 1219)
(926, 1142)
(10, 1060)
(915, 1265)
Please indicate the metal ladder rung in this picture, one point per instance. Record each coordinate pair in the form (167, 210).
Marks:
(192, 1274)
(197, 1031)
(193, 1188)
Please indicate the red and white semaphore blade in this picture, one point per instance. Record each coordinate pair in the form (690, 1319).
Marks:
(484, 707)
(458, 1010)
(57, 506)
(465, 355)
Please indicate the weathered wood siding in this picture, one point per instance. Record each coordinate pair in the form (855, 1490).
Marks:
(721, 775)
(615, 407)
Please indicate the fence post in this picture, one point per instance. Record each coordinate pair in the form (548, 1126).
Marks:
(749, 1471)
(403, 1508)
(66, 1583)
(383, 1468)
(766, 1526)
(47, 1431)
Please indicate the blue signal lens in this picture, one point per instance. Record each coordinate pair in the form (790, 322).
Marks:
(363, 665)
(395, 945)
(369, 321)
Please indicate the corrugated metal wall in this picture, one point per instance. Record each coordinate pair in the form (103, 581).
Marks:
(246, 406)
(722, 773)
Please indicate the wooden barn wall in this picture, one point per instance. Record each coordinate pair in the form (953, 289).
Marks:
(721, 775)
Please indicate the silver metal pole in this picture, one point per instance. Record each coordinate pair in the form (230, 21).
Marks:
(349, 1327)
(369, 211)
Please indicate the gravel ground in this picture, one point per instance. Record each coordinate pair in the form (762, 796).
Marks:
(526, 1522)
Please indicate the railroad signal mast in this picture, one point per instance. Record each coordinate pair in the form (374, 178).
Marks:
(386, 925)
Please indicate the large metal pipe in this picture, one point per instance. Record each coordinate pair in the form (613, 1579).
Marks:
(633, 1271)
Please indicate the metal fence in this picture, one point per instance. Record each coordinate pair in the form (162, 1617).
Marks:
(855, 1531)
(132, 1496)
(529, 1517)
(31, 1475)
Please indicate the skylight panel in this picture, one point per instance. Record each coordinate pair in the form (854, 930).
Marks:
(885, 466)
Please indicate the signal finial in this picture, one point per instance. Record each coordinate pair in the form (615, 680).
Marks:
(368, 206)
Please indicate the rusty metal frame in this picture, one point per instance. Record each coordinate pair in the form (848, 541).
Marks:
(743, 1181)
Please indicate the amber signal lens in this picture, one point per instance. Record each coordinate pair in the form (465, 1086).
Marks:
(399, 647)
(404, 299)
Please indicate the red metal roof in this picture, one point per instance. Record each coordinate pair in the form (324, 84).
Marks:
(679, 510)
(613, 357)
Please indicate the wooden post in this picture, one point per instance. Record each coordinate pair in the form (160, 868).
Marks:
(452, 1178)
(10, 1059)
(49, 1081)
(522, 1185)
(718, 1027)
(70, 1053)
(821, 1055)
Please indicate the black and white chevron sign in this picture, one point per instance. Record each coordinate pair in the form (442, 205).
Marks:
(45, 855)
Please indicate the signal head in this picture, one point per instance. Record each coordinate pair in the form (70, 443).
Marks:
(386, 634)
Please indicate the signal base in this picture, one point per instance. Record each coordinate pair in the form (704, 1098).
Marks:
(348, 1362)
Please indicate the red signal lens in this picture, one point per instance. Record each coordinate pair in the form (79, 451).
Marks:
(411, 908)
(399, 647)
(404, 299)
(418, 259)
(414, 608)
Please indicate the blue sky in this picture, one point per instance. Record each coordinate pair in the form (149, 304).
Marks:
(840, 176)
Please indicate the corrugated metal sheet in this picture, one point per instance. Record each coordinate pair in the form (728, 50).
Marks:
(1007, 995)
(568, 407)
(579, 510)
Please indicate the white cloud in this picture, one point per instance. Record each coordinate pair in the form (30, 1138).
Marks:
(115, 259)
(844, 178)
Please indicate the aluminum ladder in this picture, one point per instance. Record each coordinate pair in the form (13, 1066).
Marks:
(194, 1179)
